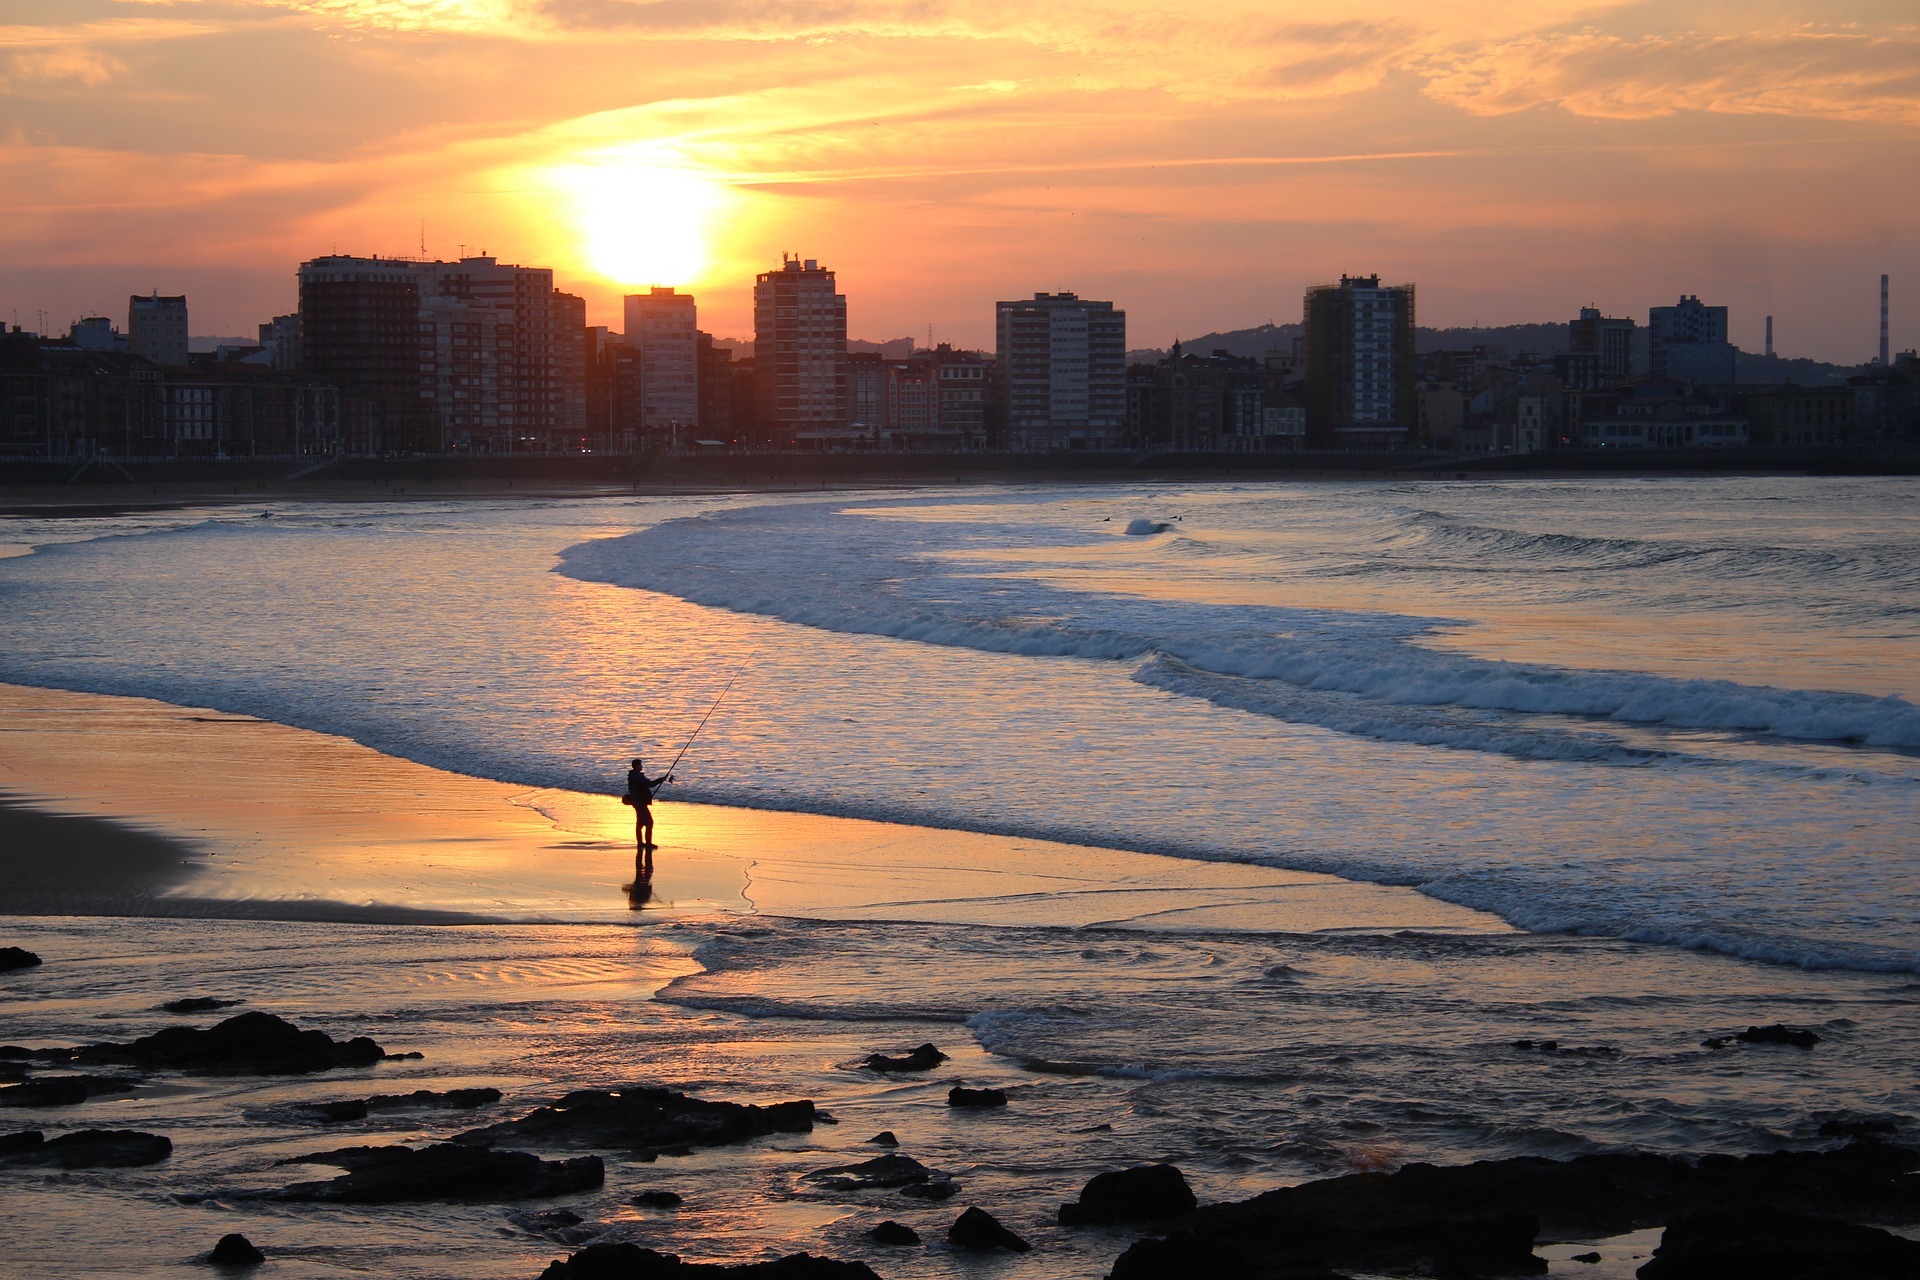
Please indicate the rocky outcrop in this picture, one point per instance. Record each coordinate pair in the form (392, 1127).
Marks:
(1744, 1245)
(357, 1108)
(980, 1231)
(1773, 1033)
(644, 1121)
(198, 1004)
(85, 1149)
(17, 958)
(234, 1250)
(925, 1058)
(631, 1262)
(249, 1044)
(879, 1172)
(893, 1233)
(62, 1091)
(395, 1175)
(1150, 1193)
(959, 1096)
(1482, 1219)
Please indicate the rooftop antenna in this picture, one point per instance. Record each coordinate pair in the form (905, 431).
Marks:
(423, 238)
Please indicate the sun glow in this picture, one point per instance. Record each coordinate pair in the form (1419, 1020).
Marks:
(643, 218)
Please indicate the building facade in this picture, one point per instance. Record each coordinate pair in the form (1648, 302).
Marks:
(1599, 351)
(1361, 377)
(1063, 372)
(1691, 324)
(663, 331)
(360, 331)
(800, 355)
(157, 328)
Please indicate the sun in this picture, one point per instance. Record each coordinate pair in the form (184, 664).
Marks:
(642, 217)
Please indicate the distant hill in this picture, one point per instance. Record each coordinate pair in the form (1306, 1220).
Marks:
(1545, 339)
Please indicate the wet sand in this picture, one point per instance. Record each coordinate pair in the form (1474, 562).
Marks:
(197, 813)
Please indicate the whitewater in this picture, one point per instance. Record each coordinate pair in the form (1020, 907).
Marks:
(1675, 711)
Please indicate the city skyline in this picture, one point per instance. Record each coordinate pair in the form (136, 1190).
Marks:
(1519, 162)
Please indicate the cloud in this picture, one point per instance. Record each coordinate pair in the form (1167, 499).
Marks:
(27, 70)
(1847, 74)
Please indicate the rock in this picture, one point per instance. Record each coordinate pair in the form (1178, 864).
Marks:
(85, 1149)
(1745, 1245)
(198, 1004)
(1777, 1033)
(962, 1097)
(343, 1110)
(17, 958)
(446, 1172)
(1588, 1258)
(1865, 1128)
(891, 1232)
(631, 1262)
(925, 1058)
(1153, 1192)
(644, 1121)
(1482, 1219)
(937, 1189)
(248, 1044)
(450, 1100)
(881, 1171)
(657, 1199)
(61, 1091)
(235, 1250)
(978, 1229)
(884, 1138)
(540, 1221)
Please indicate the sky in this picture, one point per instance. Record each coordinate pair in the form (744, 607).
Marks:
(1199, 165)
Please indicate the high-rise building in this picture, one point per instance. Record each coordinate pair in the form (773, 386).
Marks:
(662, 329)
(1688, 323)
(1601, 348)
(530, 386)
(1063, 372)
(1361, 376)
(800, 353)
(360, 331)
(157, 328)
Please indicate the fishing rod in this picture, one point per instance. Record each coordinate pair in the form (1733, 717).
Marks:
(703, 719)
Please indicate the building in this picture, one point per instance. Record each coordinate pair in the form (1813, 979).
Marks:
(157, 328)
(662, 330)
(280, 339)
(1599, 351)
(1659, 413)
(360, 331)
(800, 355)
(1361, 377)
(539, 396)
(1063, 372)
(570, 368)
(1802, 416)
(1689, 324)
(96, 333)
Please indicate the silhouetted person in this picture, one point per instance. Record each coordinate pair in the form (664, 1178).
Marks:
(640, 796)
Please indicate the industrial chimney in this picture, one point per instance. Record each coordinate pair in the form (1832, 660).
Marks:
(1769, 337)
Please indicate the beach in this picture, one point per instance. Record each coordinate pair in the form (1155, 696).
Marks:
(1206, 843)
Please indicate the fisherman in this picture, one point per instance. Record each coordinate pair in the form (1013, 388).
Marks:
(640, 796)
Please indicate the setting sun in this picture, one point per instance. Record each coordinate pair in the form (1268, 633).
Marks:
(642, 217)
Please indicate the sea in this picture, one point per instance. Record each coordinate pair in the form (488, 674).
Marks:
(1666, 730)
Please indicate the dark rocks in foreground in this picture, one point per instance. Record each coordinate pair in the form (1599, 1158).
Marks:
(881, 1171)
(248, 1044)
(235, 1250)
(631, 1262)
(1482, 1219)
(644, 1121)
(1772, 1033)
(357, 1108)
(198, 1004)
(62, 1091)
(85, 1149)
(925, 1058)
(894, 1233)
(1747, 1245)
(1153, 1193)
(979, 1230)
(959, 1096)
(17, 958)
(396, 1175)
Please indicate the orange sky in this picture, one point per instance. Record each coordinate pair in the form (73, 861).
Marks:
(1199, 165)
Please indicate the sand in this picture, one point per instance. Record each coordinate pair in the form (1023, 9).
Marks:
(125, 806)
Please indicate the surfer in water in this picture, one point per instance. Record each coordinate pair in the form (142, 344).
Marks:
(640, 796)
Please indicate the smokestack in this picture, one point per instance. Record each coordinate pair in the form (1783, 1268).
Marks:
(1769, 337)
(1885, 354)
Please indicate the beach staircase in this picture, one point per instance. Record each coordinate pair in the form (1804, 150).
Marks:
(115, 473)
(311, 469)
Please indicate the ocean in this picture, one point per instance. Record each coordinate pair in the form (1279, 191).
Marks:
(1666, 729)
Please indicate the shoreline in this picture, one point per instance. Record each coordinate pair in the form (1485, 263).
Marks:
(182, 810)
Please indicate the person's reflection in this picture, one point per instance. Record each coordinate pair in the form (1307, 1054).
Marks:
(640, 892)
